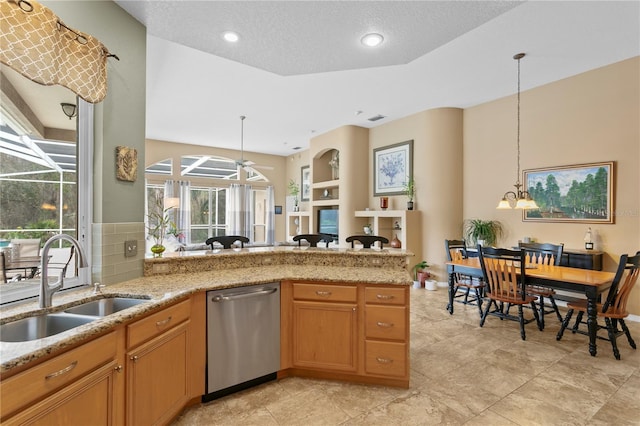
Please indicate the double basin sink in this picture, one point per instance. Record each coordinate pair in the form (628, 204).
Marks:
(45, 325)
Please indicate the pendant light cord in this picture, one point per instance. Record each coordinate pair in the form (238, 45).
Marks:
(518, 57)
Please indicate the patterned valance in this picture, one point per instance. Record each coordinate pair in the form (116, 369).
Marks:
(38, 45)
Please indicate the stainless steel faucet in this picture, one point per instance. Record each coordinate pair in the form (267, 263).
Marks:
(46, 291)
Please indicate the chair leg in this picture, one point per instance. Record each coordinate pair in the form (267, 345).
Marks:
(479, 301)
(565, 324)
(535, 315)
(578, 321)
(555, 307)
(626, 331)
(483, 317)
(521, 321)
(541, 302)
(612, 338)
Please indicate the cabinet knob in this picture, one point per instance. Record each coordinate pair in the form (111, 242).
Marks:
(134, 358)
(384, 360)
(118, 369)
(384, 324)
(323, 293)
(384, 296)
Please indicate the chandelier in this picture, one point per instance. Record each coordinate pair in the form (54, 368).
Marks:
(521, 199)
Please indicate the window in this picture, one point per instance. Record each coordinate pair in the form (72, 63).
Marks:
(208, 213)
(44, 183)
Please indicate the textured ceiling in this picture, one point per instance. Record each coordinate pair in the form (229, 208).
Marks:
(306, 37)
(447, 54)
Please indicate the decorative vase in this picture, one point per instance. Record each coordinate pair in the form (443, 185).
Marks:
(423, 276)
(409, 205)
(384, 203)
(157, 250)
(396, 243)
(367, 230)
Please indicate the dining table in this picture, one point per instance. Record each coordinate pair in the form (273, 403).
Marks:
(588, 282)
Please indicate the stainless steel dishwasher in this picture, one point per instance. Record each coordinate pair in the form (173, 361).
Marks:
(243, 338)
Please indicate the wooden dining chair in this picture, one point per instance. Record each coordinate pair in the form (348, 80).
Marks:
(543, 254)
(314, 239)
(367, 240)
(227, 240)
(464, 284)
(504, 273)
(614, 309)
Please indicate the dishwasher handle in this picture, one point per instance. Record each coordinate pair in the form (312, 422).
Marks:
(243, 295)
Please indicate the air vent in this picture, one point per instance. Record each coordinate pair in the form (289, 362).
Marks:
(376, 117)
(295, 148)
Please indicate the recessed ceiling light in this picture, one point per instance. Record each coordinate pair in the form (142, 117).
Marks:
(230, 36)
(372, 39)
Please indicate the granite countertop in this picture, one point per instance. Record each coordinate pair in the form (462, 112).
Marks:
(166, 289)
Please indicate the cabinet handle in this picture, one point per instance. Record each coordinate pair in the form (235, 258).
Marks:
(63, 371)
(384, 360)
(323, 293)
(384, 324)
(134, 358)
(118, 369)
(385, 296)
(163, 322)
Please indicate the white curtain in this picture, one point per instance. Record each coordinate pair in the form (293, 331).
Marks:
(271, 218)
(181, 215)
(183, 221)
(239, 218)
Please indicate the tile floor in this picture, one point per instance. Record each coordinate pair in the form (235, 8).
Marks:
(461, 374)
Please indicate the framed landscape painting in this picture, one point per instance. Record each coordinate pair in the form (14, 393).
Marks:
(392, 168)
(578, 193)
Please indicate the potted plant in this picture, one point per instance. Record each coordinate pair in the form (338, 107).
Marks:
(294, 190)
(484, 232)
(420, 273)
(410, 191)
(159, 223)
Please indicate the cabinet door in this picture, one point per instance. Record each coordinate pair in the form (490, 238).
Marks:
(325, 335)
(157, 378)
(87, 401)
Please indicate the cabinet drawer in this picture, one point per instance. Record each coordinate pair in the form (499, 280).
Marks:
(385, 322)
(386, 358)
(158, 323)
(23, 388)
(386, 295)
(324, 292)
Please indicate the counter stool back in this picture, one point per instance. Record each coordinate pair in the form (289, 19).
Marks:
(227, 240)
(367, 240)
(314, 239)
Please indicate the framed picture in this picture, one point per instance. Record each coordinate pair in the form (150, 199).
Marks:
(278, 210)
(305, 183)
(392, 168)
(579, 193)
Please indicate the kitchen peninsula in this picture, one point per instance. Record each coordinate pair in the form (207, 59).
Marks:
(364, 293)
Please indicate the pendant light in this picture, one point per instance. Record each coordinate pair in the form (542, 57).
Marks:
(522, 199)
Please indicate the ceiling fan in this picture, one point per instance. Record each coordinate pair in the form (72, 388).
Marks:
(245, 164)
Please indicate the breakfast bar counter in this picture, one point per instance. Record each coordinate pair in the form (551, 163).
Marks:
(176, 276)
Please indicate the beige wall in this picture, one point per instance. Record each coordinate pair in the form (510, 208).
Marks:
(437, 164)
(587, 118)
(277, 176)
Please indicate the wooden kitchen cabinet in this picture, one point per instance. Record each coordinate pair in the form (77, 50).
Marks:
(158, 366)
(87, 401)
(387, 332)
(80, 386)
(354, 332)
(325, 332)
